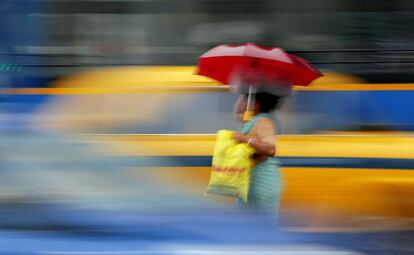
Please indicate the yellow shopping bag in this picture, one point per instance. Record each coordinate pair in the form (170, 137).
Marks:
(231, 167)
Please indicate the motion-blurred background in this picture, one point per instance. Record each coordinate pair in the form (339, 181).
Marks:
(101, 115)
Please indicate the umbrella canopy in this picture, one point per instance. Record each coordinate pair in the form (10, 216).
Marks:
(230, 64)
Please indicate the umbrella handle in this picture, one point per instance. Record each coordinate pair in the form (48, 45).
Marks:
(249, 113)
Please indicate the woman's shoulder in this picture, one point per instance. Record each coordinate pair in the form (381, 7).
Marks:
(264, 125)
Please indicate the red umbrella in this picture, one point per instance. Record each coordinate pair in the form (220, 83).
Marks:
(226, 62)
(236, 64)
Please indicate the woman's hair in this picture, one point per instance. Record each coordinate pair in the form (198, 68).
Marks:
(268, 102)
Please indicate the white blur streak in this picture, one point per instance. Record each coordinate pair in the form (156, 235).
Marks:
(228, 250)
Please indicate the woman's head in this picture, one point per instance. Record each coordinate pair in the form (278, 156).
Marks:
(264, 103)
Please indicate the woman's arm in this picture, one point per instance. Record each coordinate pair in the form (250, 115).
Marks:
(262, 148)
(261, 138)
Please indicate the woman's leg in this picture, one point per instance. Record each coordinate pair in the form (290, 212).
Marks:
(264, 196)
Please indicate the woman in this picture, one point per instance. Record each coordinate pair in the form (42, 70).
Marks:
(265, 187)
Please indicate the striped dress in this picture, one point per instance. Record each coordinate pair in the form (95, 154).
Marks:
(265, 186)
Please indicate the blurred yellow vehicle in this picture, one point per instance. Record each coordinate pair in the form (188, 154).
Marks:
(332, 181)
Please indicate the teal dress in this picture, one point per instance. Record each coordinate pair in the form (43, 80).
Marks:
(265, 186)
